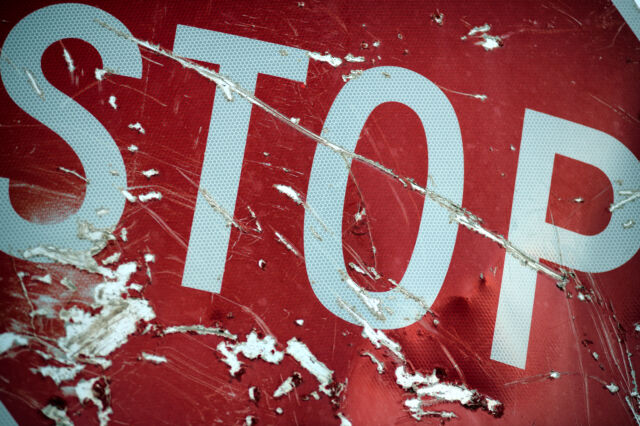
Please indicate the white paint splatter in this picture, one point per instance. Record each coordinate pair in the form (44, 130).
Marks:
(152, 195)
(379, 364)
(100, 73)
(156, 359)
(377, 337)
(301, 353)
(132, 148)
(112, 259)
(85, 391)
(331, 60)
(288, 385)
(129, 196)
(59, 374)
(352, 58)
(612, 387)
(150, 172)
(57, 415)
(137, 126)
(343, 420)
(112, 102)
(10, 340)
(353, 74)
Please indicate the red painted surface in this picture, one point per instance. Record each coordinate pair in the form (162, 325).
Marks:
(549, 63)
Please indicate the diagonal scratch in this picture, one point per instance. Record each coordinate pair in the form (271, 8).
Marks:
(457, 213)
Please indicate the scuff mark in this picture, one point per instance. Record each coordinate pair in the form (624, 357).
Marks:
(73, 172)
(201, 330)
(282, 240)
(228, 217)
(34, 84)
(631, 196)
(377, 337)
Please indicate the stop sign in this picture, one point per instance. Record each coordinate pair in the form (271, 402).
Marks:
(320, 213)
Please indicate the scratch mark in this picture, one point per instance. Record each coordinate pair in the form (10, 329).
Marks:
(458, 213)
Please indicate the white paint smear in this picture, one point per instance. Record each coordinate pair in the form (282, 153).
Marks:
(301, 353)
(331, 60)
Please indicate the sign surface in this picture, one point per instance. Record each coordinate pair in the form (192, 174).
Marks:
(320, 213)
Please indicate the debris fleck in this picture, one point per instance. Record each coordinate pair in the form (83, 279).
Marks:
(437, 17)
(578, 200)
(300, 322)
(112, 102)
(102, 212)
(137, 126)
(156, 359)
(628, 224)
(554, 375)
(132, 148)
(376, 43)
(595, 355)
(295, 120)
(331, 60)
(279, 411)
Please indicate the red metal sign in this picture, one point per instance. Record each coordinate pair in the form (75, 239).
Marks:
(310, 213)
